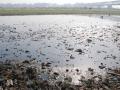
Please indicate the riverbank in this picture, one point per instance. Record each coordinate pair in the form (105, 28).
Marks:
(56, 11)
(27, 75)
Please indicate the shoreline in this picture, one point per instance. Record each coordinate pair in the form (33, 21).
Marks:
(27, 76)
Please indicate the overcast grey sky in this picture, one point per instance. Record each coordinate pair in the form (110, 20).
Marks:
(52, 1)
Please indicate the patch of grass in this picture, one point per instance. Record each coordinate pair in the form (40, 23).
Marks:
(57, 10)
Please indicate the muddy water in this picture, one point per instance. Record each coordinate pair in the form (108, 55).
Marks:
(56, 38)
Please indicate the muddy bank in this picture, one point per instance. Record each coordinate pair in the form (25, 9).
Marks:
(28, 76)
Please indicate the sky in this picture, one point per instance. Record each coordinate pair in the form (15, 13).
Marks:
(52, 1)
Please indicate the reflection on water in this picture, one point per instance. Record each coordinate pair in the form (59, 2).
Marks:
(65, 41)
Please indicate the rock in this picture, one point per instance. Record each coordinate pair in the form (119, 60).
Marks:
(77, 70)
(49, 46)
(71, 57)
(6, 49)
(27, 51)
(1, 88)
(89, 40)
(67, 70)
(118, 26)
(48, 64)
(71, 49)
(90, 69)
(118, 87)
(102, 66)
(68, 79)
(26, 61)
(9, 82)
(79, 50)
(63, 88)
(59, 83)
(55, 73)
(29, 82)
(114, 57)
(43, 65)
(67, 60)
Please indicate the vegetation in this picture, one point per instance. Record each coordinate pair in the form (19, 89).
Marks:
(57, 10)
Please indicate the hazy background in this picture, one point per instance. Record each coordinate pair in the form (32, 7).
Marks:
(53, 1)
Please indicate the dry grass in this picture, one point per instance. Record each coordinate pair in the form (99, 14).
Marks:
(47, 11)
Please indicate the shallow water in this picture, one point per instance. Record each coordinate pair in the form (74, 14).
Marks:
(55, 38)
